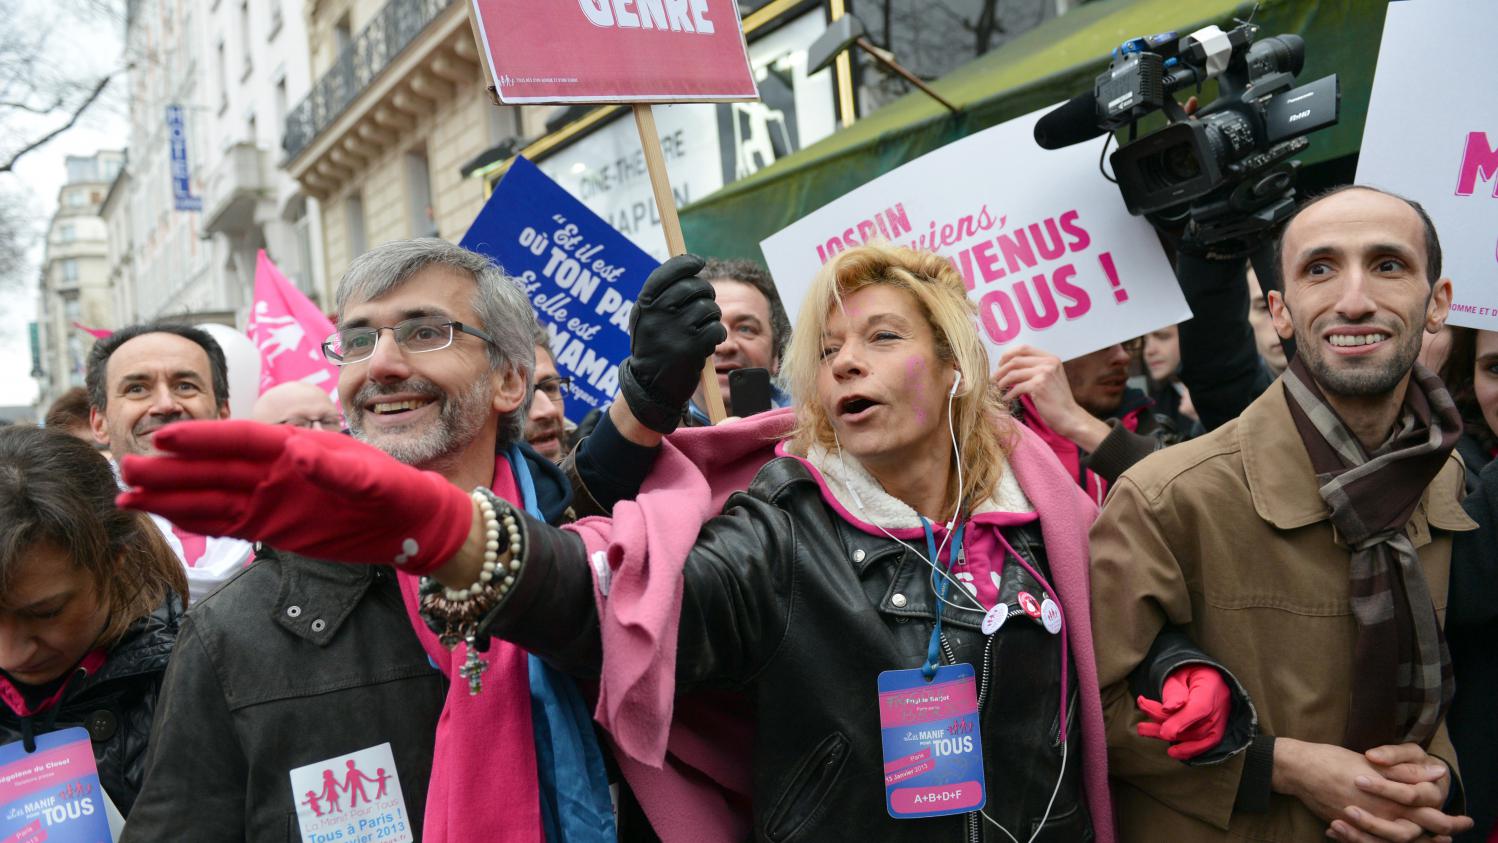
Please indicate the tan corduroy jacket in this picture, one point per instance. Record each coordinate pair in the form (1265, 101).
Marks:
(1227, 537)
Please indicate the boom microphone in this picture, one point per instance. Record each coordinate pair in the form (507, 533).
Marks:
(1074, 121)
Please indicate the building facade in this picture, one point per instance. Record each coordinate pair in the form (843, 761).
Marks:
(397, 108)
(75, 285)
(211, 87)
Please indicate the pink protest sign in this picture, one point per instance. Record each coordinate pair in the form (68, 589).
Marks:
(288, 329)
(615, 51)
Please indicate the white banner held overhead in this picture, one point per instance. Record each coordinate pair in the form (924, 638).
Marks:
(1051, 256)
(1432, 137)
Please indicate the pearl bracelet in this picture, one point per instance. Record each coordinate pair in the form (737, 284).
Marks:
(454, 613)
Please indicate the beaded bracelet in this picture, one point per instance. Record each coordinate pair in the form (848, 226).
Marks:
(454, 614)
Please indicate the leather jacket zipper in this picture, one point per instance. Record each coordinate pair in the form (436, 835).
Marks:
(974, 821)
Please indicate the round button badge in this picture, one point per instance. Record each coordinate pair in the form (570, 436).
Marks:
(1050, 615)
(995, 619)
(1028, 602)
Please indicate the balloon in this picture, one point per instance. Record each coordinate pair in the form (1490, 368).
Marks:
(244, 368)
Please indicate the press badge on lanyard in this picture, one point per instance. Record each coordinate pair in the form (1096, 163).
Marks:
(53, 794)
(933, 755)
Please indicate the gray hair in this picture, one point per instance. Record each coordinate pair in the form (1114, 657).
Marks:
(499, 301)
(542, 337)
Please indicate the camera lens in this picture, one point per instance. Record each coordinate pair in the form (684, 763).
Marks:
(1169, 166)
(1279, 54)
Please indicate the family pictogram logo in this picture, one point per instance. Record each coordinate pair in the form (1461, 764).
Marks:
(353, 786)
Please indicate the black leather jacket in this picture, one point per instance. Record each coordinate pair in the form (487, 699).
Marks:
(115, 705)
(801, 611)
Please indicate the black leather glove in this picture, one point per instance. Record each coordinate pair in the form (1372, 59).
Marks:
(673, 328)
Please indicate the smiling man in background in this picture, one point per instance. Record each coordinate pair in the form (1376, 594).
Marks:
(758, 328)
(142, 378)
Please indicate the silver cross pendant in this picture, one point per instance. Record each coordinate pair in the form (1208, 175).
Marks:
(473, 668)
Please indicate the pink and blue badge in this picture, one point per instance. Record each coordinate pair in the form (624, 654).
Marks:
(933, 754)
(52, 794)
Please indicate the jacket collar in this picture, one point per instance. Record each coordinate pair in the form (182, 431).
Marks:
(1283, 484)
(315, 598)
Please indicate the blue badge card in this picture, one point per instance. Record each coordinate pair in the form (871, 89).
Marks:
(52, 794)
(581, 276)
(933, 755)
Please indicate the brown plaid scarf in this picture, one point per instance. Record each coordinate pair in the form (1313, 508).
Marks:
(1402, 681)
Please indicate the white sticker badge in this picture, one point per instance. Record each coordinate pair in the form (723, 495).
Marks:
(354, 798)
(1050, 615)
(995, 618)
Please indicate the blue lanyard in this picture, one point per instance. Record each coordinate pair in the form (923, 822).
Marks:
(939, 588)
(527, 483)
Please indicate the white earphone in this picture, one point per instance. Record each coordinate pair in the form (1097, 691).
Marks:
(956, 382)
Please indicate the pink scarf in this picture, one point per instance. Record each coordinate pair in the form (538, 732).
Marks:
(689, 759)
(477, 795)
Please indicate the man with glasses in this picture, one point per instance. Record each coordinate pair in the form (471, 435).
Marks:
(1085, 409)
(546, 426)
(298, 662)
(299, 404)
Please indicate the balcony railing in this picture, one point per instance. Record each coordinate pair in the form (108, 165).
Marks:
(376, 45)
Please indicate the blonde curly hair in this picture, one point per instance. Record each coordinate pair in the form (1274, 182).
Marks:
(983, 424)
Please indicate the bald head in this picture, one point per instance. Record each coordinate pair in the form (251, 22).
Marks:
(299, 403)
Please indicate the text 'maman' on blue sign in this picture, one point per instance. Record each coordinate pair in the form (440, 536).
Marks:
(580, 275)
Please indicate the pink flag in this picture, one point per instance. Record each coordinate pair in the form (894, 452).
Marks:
(288, 329)
(96, 333)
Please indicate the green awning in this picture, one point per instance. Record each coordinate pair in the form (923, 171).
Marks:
(1342, 36)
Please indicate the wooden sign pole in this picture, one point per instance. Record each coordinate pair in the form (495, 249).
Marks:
(665, 204)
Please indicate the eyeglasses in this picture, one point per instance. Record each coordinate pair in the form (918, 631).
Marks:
(419, 335)
(320, 423)
(552, 387)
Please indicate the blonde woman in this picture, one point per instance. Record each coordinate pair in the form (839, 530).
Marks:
(901, 593)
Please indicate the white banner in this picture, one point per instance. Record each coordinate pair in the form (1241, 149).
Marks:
(1051, 256)
(1432, 136)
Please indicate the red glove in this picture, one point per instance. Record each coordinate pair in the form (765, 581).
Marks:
(320, 494)
(1192, 713)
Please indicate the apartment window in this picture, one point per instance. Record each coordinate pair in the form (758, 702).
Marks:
(423, 220)
(302, 225)
(223, 78)
(353, 208)
(281, 107)
(70, 270)
(343, 36)
(244, 37)
(76, 199)
(275, 20)
(67, 232)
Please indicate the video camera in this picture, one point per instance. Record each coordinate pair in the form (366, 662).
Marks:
(1229, 169)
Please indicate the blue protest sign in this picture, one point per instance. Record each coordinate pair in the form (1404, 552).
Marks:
(580, 275)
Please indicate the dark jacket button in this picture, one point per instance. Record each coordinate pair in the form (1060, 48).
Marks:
(102, 725)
